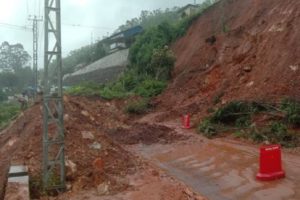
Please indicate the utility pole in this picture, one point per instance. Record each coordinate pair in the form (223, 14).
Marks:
(35, 21)
(53, 120)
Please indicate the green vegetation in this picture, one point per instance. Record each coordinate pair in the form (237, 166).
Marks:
(208, 128)
(36, 186)
(162, 27)
(233, 113)
(123, 88)
(139, 106)
(7, 112)
(291, 108)
(151, 59)
(150, 88)
(237, 116)
(85, 89)
(3, 96)
(15, 73)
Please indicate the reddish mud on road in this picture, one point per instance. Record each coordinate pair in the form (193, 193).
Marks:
(121, 175)
(220, 169)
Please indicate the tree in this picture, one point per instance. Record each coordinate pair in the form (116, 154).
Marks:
(3, 96)
(8, 80)
(162, 63)
(13, 57)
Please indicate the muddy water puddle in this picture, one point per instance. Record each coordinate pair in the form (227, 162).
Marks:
(220, 170)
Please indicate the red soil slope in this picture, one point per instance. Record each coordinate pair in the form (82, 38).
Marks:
(256, 58)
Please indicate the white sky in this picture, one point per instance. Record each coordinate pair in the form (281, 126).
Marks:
(106, 15)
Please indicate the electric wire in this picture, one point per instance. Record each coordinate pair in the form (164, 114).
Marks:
(15, 27)
(87, 26)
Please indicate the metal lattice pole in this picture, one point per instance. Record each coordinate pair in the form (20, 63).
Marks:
(53, 127)
(35, 21)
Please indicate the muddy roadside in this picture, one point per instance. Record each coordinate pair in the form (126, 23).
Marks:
(117, 174)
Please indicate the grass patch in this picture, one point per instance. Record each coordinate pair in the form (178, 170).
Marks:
(150, 88)
(208, 129)
(237, 118)
(291, 109)
(235, 113)
(85, 89)
(127, 85)
(139, 106)
(8, 111)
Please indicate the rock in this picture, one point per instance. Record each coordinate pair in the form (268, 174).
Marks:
(66, 117)
(71, 165)
(11, 142)
(250, 84)
(102, 189)
(85, 113)
(189, 192)
(87, 135)
(223, 102)
(247, 69)
(294, 67)
(68, 186)
(95, 145)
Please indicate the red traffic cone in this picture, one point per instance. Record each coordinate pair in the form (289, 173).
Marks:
(270, 163)
(186, 121)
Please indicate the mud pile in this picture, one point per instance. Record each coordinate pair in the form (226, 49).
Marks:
(95, 159)
(236, 50)
(145, 134)
(85, 124)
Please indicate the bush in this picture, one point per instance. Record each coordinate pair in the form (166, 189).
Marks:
(276, 132)
(85, 89)
(162, 63)
(130, 79)
(114, 91)
(3, 96)
(137, 106)
(243, 121)
(279, 133)
(7, 112)
(257, 136)
(150, 88)
(234, 113)
(142, 50)
(291, 108)
(207, 128)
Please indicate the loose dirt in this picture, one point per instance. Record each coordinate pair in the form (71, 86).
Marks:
(255, 58)
(220, 169)
(146, 134)
(95, 163)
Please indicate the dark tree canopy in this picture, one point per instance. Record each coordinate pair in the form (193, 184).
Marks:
(13, 57)
(15, 74)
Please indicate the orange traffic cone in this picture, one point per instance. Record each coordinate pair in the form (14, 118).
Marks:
(186, 121)
(270, 163)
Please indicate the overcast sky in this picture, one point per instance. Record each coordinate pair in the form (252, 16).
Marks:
(96, 18)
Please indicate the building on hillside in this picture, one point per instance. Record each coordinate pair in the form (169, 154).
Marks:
(122, 40)
(188, 10)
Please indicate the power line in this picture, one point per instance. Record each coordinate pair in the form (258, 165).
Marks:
(87, 26)
(27, 7)
(14, 26)
(39, 8)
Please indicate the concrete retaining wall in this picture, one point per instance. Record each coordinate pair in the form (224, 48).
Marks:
(102, 71)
